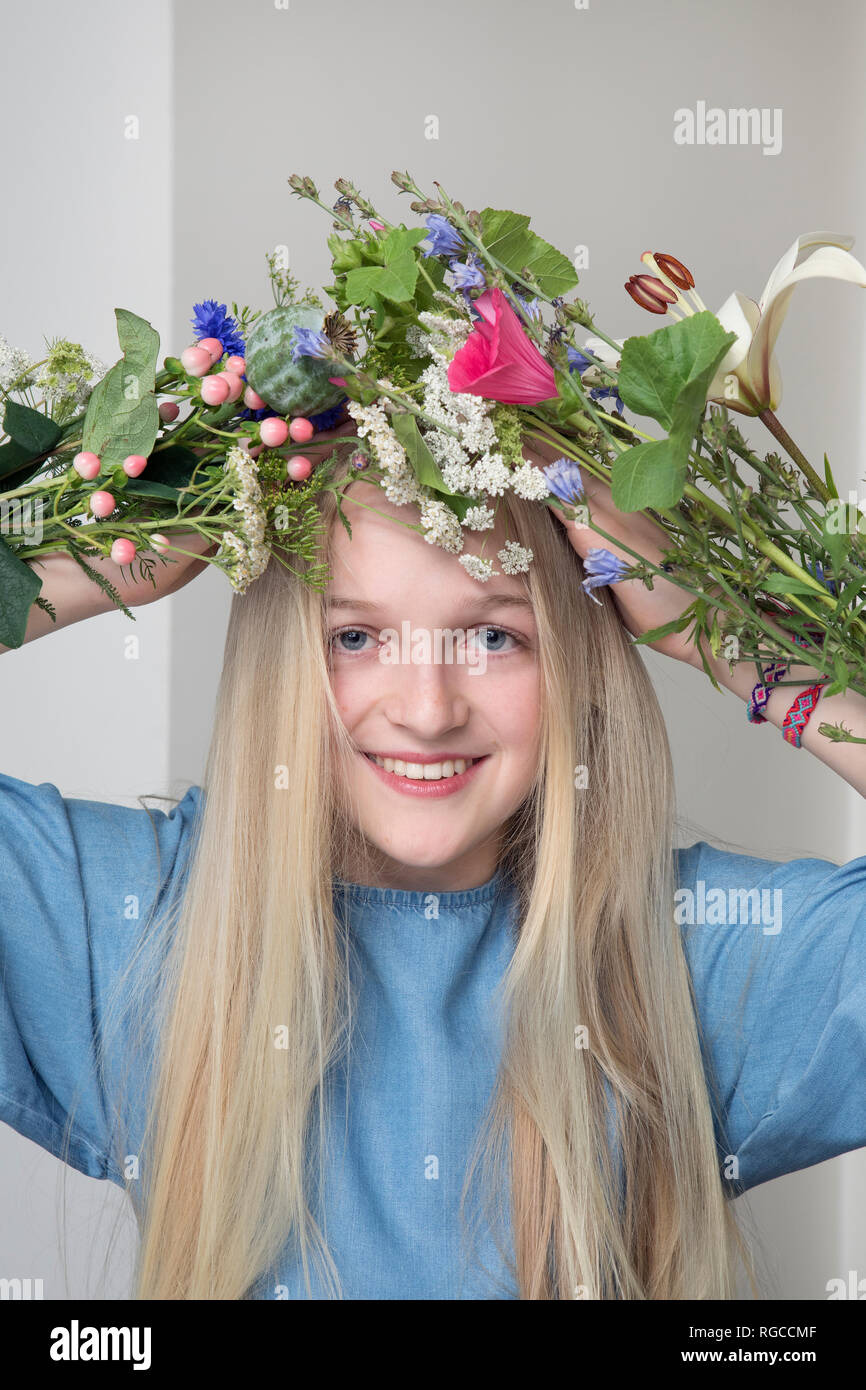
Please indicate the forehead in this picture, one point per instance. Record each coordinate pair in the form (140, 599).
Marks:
(385, 559)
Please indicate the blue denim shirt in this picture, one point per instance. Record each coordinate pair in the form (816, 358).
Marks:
(777, 954)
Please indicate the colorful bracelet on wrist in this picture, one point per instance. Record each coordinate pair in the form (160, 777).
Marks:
(761, 692)
(800, 711)
(799, 714)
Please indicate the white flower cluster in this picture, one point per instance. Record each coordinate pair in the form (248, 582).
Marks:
(248, 552)
(400, 485)
(443, 525)
(14, 362)
(74, 387)
(65, 379)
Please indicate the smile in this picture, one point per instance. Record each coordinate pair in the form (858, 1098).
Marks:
(426, 779)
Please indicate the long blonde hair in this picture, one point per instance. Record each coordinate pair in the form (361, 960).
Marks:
(601, 1026)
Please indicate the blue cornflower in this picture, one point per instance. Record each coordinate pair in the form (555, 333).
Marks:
(817, 569)
(530, 307)
(468, 274)
(601, 567)
(309, 342)
(578, 362)
(564, 480)
(445, 241)
(211, 320)
(601, 392)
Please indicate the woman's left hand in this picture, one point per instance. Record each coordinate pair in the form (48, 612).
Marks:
(642, 609)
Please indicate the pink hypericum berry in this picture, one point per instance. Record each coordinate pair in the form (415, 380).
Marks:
(214, 390)
(196, 360)
(236, 386)
(213, 346)
(134, 464)
(252, 400)
(86, 465)
(159, 542)
(102, 503)
(122, 552)
(236, 363)
(301, 429)
(299, 468)
(168, 411)
(244, 444)
(274, 431)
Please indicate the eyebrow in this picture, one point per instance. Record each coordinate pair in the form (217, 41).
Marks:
(477, 605)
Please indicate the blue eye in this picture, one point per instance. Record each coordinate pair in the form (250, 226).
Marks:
(482, 634)
(348, 632)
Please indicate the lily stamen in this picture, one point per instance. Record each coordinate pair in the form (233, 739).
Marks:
(671, 272)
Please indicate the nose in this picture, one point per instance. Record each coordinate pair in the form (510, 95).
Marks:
(428, 697)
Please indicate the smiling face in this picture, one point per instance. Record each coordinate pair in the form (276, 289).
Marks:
(438, 827)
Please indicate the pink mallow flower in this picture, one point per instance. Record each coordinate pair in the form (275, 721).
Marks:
(498, 360)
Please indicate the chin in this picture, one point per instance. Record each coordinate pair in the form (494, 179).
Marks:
(423, 857)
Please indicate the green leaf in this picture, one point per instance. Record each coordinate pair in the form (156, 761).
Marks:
(100, 581)
(666, 376)
(839, 684)
(459, 505)
(122, 415)
(837, 544)
(30, 429)
(173, 465)
(146, 487)
(654, 474)
(658, 369)
(395, 281)
(655, 634)
(507, 237)
(851, 591)
(19, 585)
(424, 466)
(649, 475)
(401, 239)
(784, 584)
(828, 478)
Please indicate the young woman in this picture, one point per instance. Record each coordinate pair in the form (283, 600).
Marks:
(346, 1028)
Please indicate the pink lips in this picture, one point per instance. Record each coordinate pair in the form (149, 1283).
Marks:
(409, 786)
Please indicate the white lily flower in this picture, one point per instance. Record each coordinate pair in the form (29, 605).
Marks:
(748, 378)
(611, 357)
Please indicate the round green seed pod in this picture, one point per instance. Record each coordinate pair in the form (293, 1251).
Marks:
(289, 388)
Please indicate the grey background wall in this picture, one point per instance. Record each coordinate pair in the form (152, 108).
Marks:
(562, 112)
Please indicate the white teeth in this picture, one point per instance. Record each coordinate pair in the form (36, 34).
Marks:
(424, 772)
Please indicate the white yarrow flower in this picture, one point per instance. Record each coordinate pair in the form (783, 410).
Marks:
(477, 568)
(530, 482)
(515, 558)
(479, 518)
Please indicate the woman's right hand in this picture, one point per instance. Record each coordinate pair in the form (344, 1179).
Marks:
(74, 596)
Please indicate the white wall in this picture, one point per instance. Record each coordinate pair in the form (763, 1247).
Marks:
(87, 227)
(563, 113)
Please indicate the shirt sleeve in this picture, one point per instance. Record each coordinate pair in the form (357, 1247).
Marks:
(777, 954)
(78, 880)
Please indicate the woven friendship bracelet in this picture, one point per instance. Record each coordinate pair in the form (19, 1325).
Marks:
(761, 692)
(798, 715)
